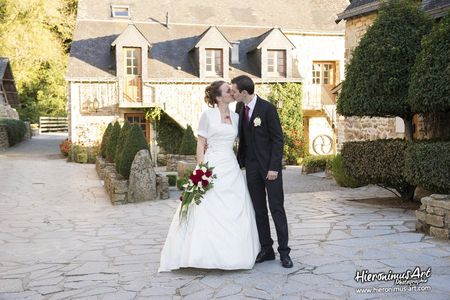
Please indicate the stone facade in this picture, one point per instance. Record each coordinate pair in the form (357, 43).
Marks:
(433, 217)
(4, 143)
(363, 129)
(355, 128)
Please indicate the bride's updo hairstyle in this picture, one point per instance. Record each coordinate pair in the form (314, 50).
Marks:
(212, 91)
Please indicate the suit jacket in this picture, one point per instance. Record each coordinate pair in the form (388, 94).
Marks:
(267, 138)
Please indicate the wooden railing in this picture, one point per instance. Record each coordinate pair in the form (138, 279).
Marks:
(53, 124)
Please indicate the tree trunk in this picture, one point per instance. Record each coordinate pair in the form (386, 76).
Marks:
(408, 128)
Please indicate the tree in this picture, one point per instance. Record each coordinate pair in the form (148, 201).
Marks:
(377, 77)
(121, 144)
(35, 35)
(105, 140)
(188, 144)
(112, 143)
(429, 90)
(135, 142)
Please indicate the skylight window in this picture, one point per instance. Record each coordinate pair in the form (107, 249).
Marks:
(120, 11)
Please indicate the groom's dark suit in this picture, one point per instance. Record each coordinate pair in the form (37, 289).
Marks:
(261, 150)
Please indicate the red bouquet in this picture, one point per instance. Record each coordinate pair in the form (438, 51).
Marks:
(198, 183)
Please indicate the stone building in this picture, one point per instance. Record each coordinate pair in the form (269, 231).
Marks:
(9, 99)
(127, 58)
(359, 16)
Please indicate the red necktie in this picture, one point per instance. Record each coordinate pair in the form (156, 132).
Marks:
(247, 114)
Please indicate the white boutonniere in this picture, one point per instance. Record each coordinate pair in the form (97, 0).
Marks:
(257, 122)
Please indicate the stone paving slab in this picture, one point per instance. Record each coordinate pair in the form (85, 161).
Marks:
(60, 238)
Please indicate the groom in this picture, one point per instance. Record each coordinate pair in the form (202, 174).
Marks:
(260, 152)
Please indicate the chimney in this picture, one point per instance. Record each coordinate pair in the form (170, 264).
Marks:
(167, 20)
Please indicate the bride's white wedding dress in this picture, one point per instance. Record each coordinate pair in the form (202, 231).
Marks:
(220, 232)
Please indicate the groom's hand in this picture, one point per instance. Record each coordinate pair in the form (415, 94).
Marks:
(272, 175)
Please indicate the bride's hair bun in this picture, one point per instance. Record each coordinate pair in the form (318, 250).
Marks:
(212, 91)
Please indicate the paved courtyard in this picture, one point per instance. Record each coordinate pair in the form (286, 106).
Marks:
(60, 238)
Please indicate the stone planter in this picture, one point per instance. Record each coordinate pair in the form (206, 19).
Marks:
(433, 216)
(172, 161)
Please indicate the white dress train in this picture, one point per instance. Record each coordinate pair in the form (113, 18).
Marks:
(221, 232)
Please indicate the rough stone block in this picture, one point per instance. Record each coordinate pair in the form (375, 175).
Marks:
(422, 227)
(425, 200)
(433, 220)
(436, 210)
(182, 166)
(445, 203)
(442, 233)
(420, 215)
(142, 182)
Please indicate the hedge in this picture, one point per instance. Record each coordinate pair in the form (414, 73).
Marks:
(378, 162)
(112, 142)
(16, 130)
(188, 144)
(341, 177)
(124, 133)
(318, 161)
(169, 134)
(427, 164)
(429, 90)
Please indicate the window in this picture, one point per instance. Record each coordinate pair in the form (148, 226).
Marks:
(120, 11)
(276, 63)
(214, 62)
(323, 73)
(139, 119)
(133, 59)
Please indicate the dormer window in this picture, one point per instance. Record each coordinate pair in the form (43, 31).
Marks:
(214, 62)
(120, 11)
(276, 63)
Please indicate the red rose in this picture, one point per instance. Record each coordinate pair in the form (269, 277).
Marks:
(199, 171)
(208, 173)
(205, 183)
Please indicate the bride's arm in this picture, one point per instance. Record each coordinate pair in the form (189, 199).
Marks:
(201, 143)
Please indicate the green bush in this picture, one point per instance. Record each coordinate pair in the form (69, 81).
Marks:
(429, 90)
(172, 180)
(78, 154)
(169, 134)
(377, 77)
(16, 130)
(184, 179)
(427, 164)
(112, 142)
(92, 153)
(342, 178)
(135, 142)
(121, 143)
(378, 162)
(287, 97)
(318, 161)
(188, 144)
(105, 140)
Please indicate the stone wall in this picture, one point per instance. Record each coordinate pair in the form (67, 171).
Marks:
(3, 137)
(355, 29)
(433, 217)
(7, 112)
(363, 129)
(173, 159)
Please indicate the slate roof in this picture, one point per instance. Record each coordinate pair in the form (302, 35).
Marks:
(91, 55)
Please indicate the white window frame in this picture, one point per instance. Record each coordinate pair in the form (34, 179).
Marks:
(213, 73)
(113, 11)
(275, 65)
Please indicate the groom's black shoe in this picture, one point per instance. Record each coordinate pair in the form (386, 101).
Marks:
(265, 254)
(286, 261)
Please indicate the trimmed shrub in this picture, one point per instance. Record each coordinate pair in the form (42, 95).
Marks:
(429, 90)
(112, 142)
(135, 142)
(78, 154)
(378, 162)
(427, 164)
(377, 77)
(169, 134)
(16, 130)
(318, 161)
(172, 180)
(188, 144)
(105, 140)
(121, 143)
(342, 178)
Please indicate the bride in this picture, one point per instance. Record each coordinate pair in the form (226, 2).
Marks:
(220, 232)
